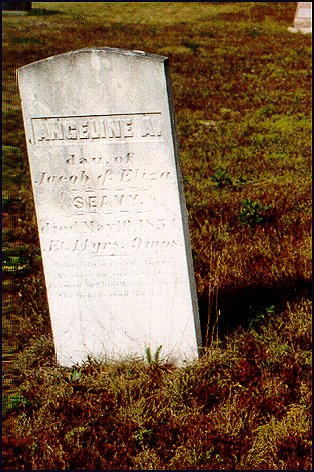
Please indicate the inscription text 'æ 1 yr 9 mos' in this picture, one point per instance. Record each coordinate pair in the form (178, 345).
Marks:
(110, 208)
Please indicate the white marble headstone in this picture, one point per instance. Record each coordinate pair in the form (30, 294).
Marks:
(303, 18)
(111, 214)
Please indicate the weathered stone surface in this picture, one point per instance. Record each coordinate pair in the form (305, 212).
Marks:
(111, 214)
(303, 18)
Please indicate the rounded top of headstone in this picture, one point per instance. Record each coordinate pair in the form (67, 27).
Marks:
(104, 50)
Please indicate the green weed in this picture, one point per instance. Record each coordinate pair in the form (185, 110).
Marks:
(253, 212)
(153, 360)
(260, 316)
(222, 178)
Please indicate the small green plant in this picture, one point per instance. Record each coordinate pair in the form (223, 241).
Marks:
(252, 212)
(222, 178)
(152, 360)
(76, 374)
(261, 315)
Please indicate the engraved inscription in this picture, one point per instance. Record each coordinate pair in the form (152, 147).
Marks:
(122, 225)
(109, 205)
(109, 247)
(110, 201)
(110, 278)
(104, 128)
(120, 190)
(82, 179)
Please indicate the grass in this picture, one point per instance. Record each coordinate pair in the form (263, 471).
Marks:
(242, 92)
(245, 404)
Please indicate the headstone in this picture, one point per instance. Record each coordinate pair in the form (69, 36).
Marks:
(16, 7)
(111, 214)
(303, 18)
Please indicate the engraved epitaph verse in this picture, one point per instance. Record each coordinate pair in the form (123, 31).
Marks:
(109, 210)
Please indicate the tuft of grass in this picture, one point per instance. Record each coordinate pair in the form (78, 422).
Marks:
(153, 360)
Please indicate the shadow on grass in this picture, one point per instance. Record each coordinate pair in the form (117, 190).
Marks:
(240, 306)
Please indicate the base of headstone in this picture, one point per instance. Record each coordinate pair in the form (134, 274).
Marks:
(292, 29)
(303, 19)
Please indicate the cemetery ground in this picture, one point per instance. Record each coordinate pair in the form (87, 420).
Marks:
(242, 96)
